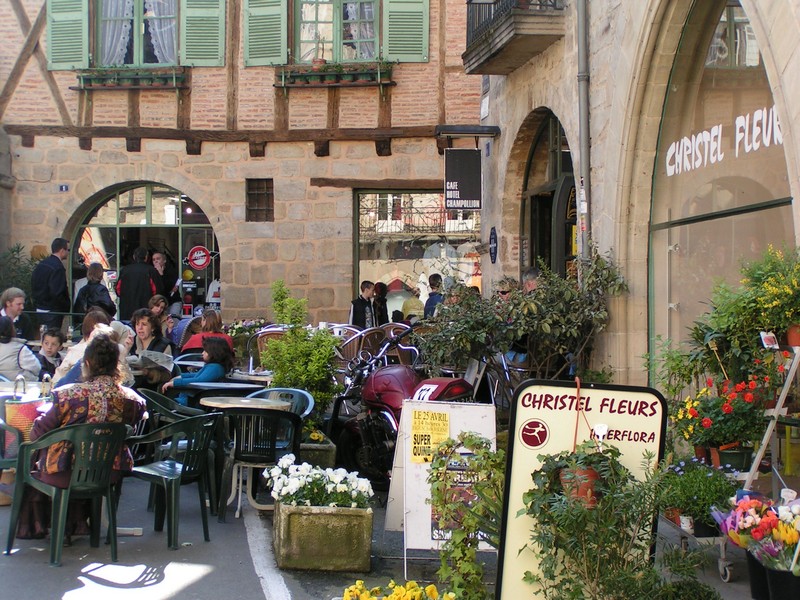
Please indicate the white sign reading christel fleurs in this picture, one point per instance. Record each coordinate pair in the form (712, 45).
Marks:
(751, 131)
(552, 416)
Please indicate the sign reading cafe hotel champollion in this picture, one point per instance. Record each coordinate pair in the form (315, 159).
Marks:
(462, 179)
(548, 417)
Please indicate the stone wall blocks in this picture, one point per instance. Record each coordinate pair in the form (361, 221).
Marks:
(237, 296)
(111, 157)
(324, 230)
(170, 161)
(210, 172)
(290, 189)
(298, 211)
(297, 274)
(150, 145)
(288, 150)
(266, 251)
(290, 231)
(320, 298)
(287, 251)
(241, 273)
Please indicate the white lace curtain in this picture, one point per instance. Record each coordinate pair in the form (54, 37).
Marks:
(116, 25)
(115, 31)
(163, 30)
(362, 27)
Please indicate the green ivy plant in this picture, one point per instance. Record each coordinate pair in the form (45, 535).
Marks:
(469, 520)
(302, 358)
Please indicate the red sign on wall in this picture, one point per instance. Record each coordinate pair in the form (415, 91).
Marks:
(199, 258)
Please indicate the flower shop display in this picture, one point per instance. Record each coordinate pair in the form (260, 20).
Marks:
(726, 416)
(694, 487)
(770, 532)
(314, 506)
(394, 591)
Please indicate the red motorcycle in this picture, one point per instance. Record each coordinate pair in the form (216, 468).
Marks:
(366, 416)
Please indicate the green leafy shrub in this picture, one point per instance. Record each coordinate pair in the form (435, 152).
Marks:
(302, 358)
(16, 270)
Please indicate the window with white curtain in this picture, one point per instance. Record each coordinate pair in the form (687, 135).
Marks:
(336, 30)
(137, 33)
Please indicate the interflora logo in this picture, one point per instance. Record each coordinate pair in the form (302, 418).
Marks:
(534, 433)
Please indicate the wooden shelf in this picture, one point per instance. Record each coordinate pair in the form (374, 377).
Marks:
(100, 88)
(337, 84)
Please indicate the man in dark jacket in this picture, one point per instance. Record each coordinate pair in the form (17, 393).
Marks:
(362, 311)
(49, 286)
(136, 284)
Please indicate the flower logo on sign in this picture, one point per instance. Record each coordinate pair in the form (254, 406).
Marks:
(534, 433)
(199, 258)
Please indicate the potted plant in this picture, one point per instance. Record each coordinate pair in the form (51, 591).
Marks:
(241, 330)
(772, 280)
(726, 417)
(602, 551)
(303, 358)
(384, 68)
(471, 513)
(322, 519)
(694, 488)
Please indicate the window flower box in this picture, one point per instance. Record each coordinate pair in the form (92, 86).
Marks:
(128, 78)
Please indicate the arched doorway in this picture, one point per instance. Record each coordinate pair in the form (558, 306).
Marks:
(159, 218)
(548, 217)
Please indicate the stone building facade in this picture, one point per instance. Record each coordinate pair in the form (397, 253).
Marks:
(206, 131)
(662, 74)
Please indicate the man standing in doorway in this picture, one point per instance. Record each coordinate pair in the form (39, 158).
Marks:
(165, 285)
(49, 286)
(136, 284)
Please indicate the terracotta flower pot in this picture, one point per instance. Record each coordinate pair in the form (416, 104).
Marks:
(579, 484)
(673, 514)
(793, 335)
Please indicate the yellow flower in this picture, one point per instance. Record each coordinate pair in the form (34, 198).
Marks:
(432, 592)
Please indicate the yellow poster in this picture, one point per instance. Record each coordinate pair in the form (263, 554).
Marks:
(428, 430)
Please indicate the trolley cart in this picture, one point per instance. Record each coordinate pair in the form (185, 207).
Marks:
(688, 540)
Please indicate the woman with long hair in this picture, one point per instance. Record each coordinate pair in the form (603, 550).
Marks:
(98, 399)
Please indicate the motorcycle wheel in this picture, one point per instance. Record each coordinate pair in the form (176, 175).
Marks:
(354, 456)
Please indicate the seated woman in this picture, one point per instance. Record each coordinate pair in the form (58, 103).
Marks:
(218, 359)
(149, 338)
(148, 333)
(210, 326)
(15, 357)
(158, 306)
(100, 399)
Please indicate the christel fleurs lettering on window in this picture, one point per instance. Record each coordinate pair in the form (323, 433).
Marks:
(751, 131)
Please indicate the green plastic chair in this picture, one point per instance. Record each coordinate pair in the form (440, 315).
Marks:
(170, 474)
(7, 431)
(261, 437)
(94, 448)
(164, 410)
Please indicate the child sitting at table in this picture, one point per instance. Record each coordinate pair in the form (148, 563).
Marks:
(218, 359)
(49, 357)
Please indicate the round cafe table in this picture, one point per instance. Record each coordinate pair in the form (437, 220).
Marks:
(223, 402)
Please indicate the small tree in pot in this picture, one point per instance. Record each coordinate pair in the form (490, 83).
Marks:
(302, 358)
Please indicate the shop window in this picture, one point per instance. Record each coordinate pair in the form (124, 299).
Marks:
(260, 200)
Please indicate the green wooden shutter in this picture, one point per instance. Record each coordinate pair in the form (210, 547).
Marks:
(67, 34)
(405, 30)
(265, 32)
(202, 33)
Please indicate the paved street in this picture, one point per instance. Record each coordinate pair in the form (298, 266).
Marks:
(238, 562)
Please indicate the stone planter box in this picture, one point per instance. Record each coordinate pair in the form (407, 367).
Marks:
(322, 538)
(319, 454)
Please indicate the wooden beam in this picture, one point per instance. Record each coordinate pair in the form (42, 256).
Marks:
(434, 185)
(24, 56)
(258, 149)
(85, 143)
(232, 65)
(383, 147)
(213, 135)
(41, 59)
(194, 147)
(280, 119)
(133, 144)
(184, 116)
(322, 148)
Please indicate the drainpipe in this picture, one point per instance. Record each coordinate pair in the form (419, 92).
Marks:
(584, 187)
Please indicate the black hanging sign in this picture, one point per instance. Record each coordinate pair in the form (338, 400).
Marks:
(462, 179)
